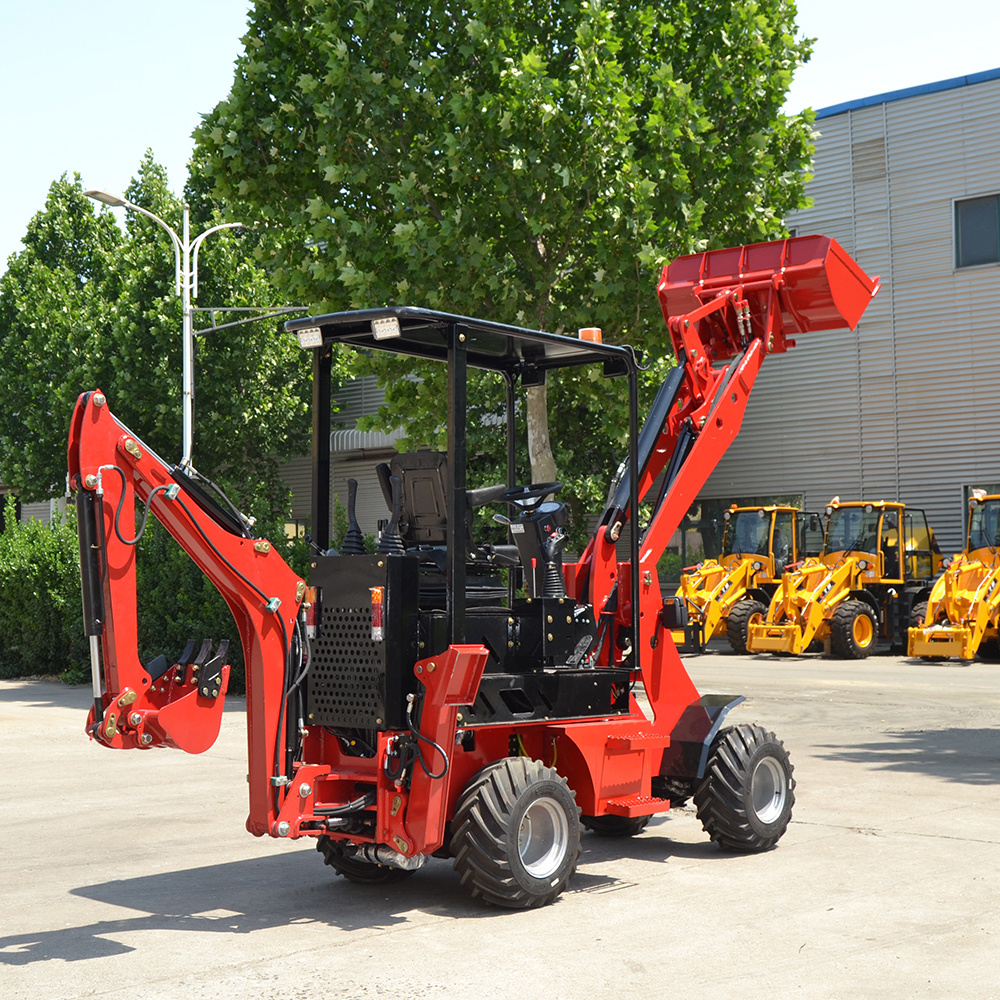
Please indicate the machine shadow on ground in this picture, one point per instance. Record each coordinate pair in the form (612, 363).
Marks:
(966, 756)
(227, 899)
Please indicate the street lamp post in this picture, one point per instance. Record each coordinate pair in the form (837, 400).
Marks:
(186, 286)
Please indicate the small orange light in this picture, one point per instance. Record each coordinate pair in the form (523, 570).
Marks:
(378, 613)
(309, 605)
(591, 333)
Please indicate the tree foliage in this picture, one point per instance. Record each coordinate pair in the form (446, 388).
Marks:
(90, 304)
(530, 162)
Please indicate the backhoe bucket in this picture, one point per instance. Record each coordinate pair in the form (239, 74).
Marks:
(818, 284)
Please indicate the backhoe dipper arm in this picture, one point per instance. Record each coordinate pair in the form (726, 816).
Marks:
(179, 703)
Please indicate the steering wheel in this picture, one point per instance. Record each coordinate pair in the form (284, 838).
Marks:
(521, 495)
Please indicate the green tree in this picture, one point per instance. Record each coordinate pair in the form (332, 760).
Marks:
(89, 304)
(532, 162)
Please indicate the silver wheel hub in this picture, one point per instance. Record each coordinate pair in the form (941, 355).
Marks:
(768, 790)
(543, 838)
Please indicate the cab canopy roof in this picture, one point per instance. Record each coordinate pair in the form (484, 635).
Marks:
(425, 333)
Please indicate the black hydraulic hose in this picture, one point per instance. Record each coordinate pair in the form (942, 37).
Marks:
(145, 511)
(366, 800)
(193, 476)
(418, 755)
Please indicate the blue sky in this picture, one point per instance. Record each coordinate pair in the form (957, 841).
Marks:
(89, 86)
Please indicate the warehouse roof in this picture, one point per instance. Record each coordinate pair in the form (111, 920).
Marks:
(899, 95)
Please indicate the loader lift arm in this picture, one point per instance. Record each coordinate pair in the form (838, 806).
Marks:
(736, 305)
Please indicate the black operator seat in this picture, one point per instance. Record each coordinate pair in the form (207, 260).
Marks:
(423, 521)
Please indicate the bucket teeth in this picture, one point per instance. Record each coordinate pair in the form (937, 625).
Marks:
(206, 648)
(207, 672)
(185, 658)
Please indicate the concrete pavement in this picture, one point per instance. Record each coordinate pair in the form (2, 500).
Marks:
(130, 875)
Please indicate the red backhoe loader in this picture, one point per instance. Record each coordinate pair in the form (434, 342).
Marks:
(442, 697)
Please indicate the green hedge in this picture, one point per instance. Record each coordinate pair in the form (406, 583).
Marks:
(41, 620)
(41, 617)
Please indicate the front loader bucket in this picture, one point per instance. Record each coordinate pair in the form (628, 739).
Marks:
(818, 286)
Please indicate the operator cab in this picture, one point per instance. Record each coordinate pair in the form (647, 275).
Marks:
(875, 530)
(431, 583)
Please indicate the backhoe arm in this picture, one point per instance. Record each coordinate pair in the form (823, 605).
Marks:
(178, 703)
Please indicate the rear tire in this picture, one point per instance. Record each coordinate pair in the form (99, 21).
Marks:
(744, 614)
(516, 834)
(745, 800)
(615, 826)
(336, 854)
(852, 630)
(989, 650)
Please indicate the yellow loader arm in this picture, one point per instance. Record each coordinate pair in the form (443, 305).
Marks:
(804, 603)
(962, 611)
(711, 590)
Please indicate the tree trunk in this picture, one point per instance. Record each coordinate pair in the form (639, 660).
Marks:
(543, 463)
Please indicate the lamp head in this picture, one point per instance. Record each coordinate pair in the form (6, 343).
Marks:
(107, 199)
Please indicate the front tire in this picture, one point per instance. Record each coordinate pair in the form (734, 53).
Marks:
(745, 800)
(516, 834)
(989, 650)
(744, 614)
(852, 630)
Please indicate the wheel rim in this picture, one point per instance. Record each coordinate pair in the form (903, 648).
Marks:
(768, 790)
(757, 618)
(543, 838)
(863, 630)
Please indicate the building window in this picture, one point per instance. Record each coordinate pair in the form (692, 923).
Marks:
(977, 231)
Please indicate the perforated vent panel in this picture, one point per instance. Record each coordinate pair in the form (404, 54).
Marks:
(355, 682)
(347, 679)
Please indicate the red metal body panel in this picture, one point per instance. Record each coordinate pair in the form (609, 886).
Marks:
(450, 680)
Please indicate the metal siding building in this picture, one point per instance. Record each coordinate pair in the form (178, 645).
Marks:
(906, 407)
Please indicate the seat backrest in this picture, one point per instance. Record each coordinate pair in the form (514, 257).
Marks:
(423, 519)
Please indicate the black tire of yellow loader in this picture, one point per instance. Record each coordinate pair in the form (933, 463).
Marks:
(744, 614)
(852, 630)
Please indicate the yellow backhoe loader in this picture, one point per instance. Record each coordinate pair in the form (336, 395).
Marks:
(725, 596)
(861, 589)
(960, 615)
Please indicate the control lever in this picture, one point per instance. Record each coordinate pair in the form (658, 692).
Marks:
(354, 541)
(390, 540)
(555, 585)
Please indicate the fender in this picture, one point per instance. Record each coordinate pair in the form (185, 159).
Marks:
(867, 598)
(692, 736)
